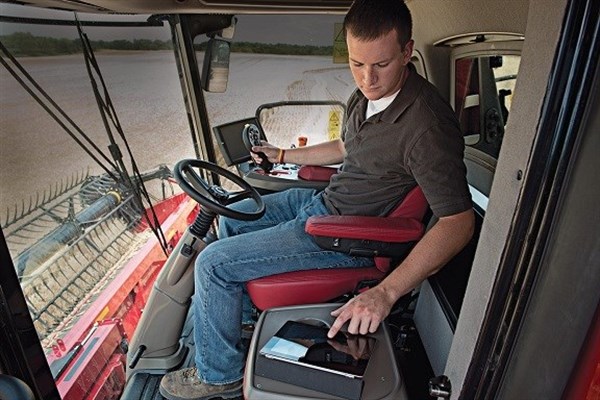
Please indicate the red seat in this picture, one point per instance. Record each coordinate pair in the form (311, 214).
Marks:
(383, 238)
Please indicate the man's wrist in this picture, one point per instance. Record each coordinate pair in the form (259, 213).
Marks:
(390, 291)
(280, 156)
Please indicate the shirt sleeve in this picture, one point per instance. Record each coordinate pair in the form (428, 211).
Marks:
(436, 162)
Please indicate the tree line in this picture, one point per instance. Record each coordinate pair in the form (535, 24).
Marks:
(281, 48)
(26, 44)
(22, 44)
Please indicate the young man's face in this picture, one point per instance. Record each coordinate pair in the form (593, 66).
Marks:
(378, 65)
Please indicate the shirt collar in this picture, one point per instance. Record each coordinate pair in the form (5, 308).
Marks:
(403, 100)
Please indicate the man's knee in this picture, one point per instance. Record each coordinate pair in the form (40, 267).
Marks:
(208, 258)
(230, 226)
(225, 227)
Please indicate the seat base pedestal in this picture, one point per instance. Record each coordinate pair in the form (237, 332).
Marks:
(382, 380)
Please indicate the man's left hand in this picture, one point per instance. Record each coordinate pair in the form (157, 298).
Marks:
(365, 312)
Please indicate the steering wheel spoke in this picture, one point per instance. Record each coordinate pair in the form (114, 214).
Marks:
(196, 181)
(214, 197)
(239, 195)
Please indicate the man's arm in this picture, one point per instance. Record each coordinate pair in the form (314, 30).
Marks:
(326, 153)
(442, 242)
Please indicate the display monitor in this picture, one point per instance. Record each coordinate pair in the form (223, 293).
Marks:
(229, 138)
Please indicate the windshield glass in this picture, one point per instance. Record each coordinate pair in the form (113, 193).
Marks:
(292, 61)
(72, 162)
(77, 218)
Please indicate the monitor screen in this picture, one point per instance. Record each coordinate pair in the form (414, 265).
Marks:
(229, 138)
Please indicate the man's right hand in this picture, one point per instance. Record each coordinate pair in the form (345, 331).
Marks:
(325, 153)
(268, 149)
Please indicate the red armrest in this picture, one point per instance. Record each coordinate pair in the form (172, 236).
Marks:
(316, 173)
(382, 229)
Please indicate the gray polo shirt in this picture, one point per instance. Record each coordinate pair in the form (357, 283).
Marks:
(415, 140)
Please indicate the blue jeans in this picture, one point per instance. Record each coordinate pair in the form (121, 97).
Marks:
(248, 250)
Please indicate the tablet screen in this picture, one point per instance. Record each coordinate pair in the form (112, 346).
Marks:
(308, 345)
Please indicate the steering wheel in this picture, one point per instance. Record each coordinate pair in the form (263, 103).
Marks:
(215, 197)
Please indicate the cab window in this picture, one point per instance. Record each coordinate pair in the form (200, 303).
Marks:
(483, 90)
(292, 62)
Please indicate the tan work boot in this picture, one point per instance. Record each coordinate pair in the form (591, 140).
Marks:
(185, 385)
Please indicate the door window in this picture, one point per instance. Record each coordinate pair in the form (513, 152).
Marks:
(483, 90)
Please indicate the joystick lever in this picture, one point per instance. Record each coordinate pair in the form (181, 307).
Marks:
(251, 137)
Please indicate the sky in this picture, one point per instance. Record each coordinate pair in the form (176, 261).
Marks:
(289, 29)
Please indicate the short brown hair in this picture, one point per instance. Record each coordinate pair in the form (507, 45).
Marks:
(371, 19)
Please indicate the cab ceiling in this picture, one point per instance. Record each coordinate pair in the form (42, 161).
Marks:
(433, 19)
(191, 6)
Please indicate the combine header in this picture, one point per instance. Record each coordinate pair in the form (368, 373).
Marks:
(87, 250)
(87, 259)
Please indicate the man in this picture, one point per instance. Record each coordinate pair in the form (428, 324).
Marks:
(399, 133)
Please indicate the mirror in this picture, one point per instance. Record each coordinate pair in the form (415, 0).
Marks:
(215, 68)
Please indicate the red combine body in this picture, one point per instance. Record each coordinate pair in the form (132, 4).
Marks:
(89, 361)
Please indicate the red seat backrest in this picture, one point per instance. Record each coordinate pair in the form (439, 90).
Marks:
(414, 205)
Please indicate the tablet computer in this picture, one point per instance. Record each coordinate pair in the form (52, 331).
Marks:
(308, 345)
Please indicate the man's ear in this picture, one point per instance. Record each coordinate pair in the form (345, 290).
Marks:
(407, 51)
